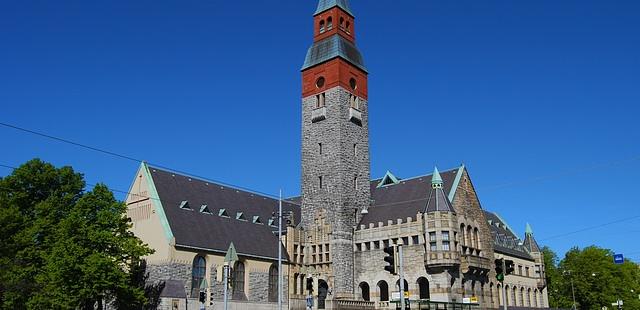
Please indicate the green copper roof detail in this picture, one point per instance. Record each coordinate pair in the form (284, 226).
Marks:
(333, 47)
(436, 178)
(156, 202)
(528, 230)
(388, 179)
(324, 5)
(456, 182)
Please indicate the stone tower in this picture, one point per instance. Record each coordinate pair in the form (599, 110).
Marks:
(335, 138)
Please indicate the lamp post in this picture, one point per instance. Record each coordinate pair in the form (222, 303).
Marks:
(573, 292)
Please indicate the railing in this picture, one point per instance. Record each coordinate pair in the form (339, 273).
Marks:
(441, 258)
(354, 304)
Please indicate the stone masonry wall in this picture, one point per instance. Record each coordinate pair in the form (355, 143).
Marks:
(343, 163)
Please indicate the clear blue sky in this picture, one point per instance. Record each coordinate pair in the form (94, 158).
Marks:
(539, 98)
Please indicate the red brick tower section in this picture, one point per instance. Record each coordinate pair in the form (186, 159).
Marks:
(337, 71)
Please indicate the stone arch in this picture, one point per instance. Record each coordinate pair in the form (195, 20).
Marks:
(323, 290)
(364, 291)
(468, 234)
(273, 283)
(406, 285)
(329, 23)
(528, 304)
(521, 297)
(535, 298)
(514, 301)
(423, 288)
(492, 300)
(321, 25)
(198, 271)
(500, 297)
(238, 273)
(383, 290)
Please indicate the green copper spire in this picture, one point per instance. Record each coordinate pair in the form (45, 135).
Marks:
(528, 230)
(436, 179)
(324, 5)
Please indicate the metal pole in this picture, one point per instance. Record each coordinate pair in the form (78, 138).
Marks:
(573, 292)
(280, 251)
(401, 277)
(504, 290)
(225, 273)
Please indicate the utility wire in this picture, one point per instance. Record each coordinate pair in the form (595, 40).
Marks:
(92, 148)
(291, 202)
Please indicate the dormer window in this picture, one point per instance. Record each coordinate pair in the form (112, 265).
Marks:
(322, 26)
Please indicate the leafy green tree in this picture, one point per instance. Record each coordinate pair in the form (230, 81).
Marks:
(65, 248)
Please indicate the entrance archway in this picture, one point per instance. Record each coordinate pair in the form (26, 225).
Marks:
(323, 289)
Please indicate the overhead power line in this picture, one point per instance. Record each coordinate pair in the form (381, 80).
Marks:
(626, 219)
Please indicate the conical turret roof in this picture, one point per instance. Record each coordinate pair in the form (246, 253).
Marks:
(530, 242)
(438, 200)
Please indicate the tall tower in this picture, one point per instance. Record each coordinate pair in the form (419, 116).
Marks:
(335, 137)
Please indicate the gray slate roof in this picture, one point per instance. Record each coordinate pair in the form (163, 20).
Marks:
(324, 5)
(403, 200)
(333, 47)
(531, 244)
(504, 240)
(173, 289)
(212, 232)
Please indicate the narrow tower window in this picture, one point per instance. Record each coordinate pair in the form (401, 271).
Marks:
(320, 181)
(355, 102)
(348, 27)
(322, 26)
(320, 148)
(355, 183)
(320, 100)
(355, 149)
(329, 23)
(342, 23)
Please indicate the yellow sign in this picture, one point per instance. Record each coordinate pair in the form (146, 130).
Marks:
(474, 299)
(406, 294)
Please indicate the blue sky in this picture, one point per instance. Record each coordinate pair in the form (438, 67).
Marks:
(539, 99)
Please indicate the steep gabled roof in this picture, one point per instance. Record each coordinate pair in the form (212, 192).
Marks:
(404, 199)
(214, 232)
(505, 240)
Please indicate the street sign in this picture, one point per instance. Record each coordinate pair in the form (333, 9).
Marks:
(618, 258)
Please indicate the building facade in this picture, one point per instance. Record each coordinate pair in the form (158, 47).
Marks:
(337, 229)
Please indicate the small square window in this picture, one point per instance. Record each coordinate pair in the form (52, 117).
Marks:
(376, 245)
(432, 236)
(445, 245)
(415, 240)
(405, 240)
(433, 246)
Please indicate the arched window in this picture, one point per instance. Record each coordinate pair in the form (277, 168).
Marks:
(322, 26)
(406, 285)
(238, 281)
(514, 301)
(423, 288)
(463, 239)
(499, 291)
(469, 237)
(348, 27)
(329, 23)
(528, 304)
(341, 22)
(492, 300)
(507, 295)
(323, 290)
(273, 283)
(535, 298)
(383, 291)
(476, 236)
(364, 291)
(198, 271)
(521, 297)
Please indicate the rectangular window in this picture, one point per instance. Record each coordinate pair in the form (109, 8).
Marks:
(432, 236)
(405, 240)
(313, 249)
(537, 270)
(326, 257)
(320, 100)
(367, 246)
(433, 246)
(415, 240)
(320, 148)
(320, 181)
(394, 241)
(445, 235)
(445, 245)
(526, 269)
(358, 247)
(376, 245)
(519, 269)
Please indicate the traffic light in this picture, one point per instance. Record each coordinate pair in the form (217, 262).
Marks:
(310, 284)
(509, 267)
(391, 259)
(499, 270)
(202, 297)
